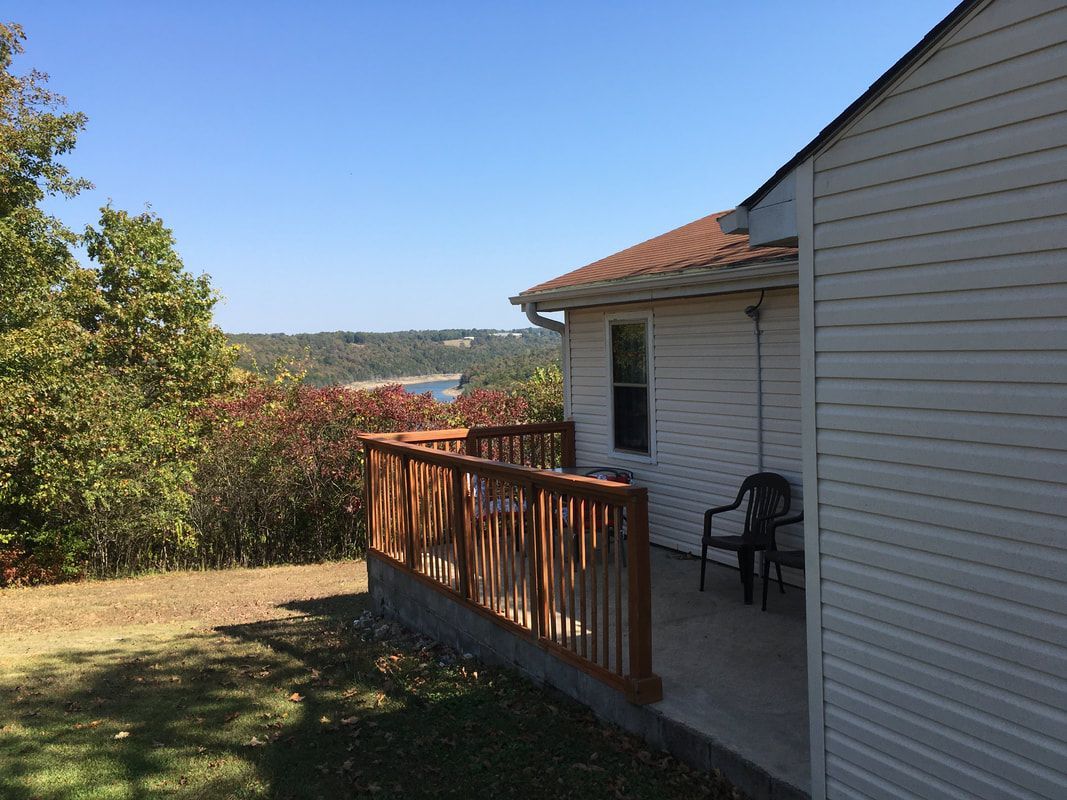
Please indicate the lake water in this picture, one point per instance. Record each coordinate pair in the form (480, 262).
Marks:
(436, 387)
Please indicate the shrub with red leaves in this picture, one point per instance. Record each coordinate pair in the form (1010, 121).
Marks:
(281, 475)
(21, 568)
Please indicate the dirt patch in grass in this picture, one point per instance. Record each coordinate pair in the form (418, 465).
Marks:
(257, 684)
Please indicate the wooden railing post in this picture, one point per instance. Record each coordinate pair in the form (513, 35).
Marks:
(569, 457)
(460, 529)
(539, 562)
(644, 685)
(409, 514)
(369, 520)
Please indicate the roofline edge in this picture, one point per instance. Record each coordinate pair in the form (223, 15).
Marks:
(663, 287)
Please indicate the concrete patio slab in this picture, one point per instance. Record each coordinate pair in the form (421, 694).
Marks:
(729, 670)
(734, 683)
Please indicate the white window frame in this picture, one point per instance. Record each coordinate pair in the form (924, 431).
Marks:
(648, 317)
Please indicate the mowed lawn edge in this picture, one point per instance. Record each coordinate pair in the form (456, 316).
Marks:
(255, 683)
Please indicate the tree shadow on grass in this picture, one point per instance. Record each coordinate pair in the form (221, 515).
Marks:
(301, 708)
(183, 716)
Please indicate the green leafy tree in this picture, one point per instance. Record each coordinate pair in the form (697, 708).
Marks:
(35, 256)
(152, 323)
(99, 365)
(543, 391)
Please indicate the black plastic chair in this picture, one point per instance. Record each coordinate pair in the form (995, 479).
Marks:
(613, 474)
(768, 499)
(781, 558)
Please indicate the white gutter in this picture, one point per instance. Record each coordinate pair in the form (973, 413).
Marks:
(690, 283)
(542, 322)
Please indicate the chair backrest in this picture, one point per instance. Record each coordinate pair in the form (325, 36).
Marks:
(768, 495)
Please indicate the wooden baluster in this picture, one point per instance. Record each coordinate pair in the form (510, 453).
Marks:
(514, 512)
(477, 536)
(581, 574)
(593, 595)
(543, 564)
(494, 543)
(412, 496)
(505, 546)
(617, 518)
(561, 536)
(602, 514)
(391, 488)
(417, 507)
(460, 527)
(571, 537)
(430, 476)
(527, 562)
(395, 545)
(444, 515)
(440, 562)
(368, 496)
(409, 514)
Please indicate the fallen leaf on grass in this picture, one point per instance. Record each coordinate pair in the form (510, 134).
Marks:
(255, 742)
(121, 735)
(232, 716)
(296, 697)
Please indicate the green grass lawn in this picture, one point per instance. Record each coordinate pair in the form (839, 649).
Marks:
(255, 684)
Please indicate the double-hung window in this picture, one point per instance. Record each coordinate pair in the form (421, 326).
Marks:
(630, 397)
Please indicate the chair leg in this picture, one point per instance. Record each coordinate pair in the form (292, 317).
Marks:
(764, 576)
(741, 566)
(781, 586)
(750, 563)
(703, 564)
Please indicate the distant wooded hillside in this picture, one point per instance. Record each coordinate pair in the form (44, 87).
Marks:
(346, 356)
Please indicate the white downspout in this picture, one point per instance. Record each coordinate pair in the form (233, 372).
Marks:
(542, 321)
(560, 328)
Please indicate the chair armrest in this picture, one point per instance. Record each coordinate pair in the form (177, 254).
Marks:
(775, 523)
(711, 512)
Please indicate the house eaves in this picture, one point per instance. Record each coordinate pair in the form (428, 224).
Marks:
(770, 274)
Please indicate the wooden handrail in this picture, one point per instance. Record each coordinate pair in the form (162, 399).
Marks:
(569, 483)
(540, 438)
(447, 434)
(536, 551)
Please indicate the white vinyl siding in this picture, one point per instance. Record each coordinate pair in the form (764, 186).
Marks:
(704, 373)
(940, 291)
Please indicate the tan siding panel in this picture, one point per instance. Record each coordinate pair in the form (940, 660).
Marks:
(941, 422)
(1000, 129)
(1020, 171)
(705, 394)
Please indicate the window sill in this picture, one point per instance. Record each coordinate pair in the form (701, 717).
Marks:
(636, 458)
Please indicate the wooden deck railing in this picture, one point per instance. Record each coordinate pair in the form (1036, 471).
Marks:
(539, 552)
(542, 446)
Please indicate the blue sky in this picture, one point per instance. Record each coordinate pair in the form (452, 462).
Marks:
(393, 165)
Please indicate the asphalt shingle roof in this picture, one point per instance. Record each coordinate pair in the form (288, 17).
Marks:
(698, 245)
